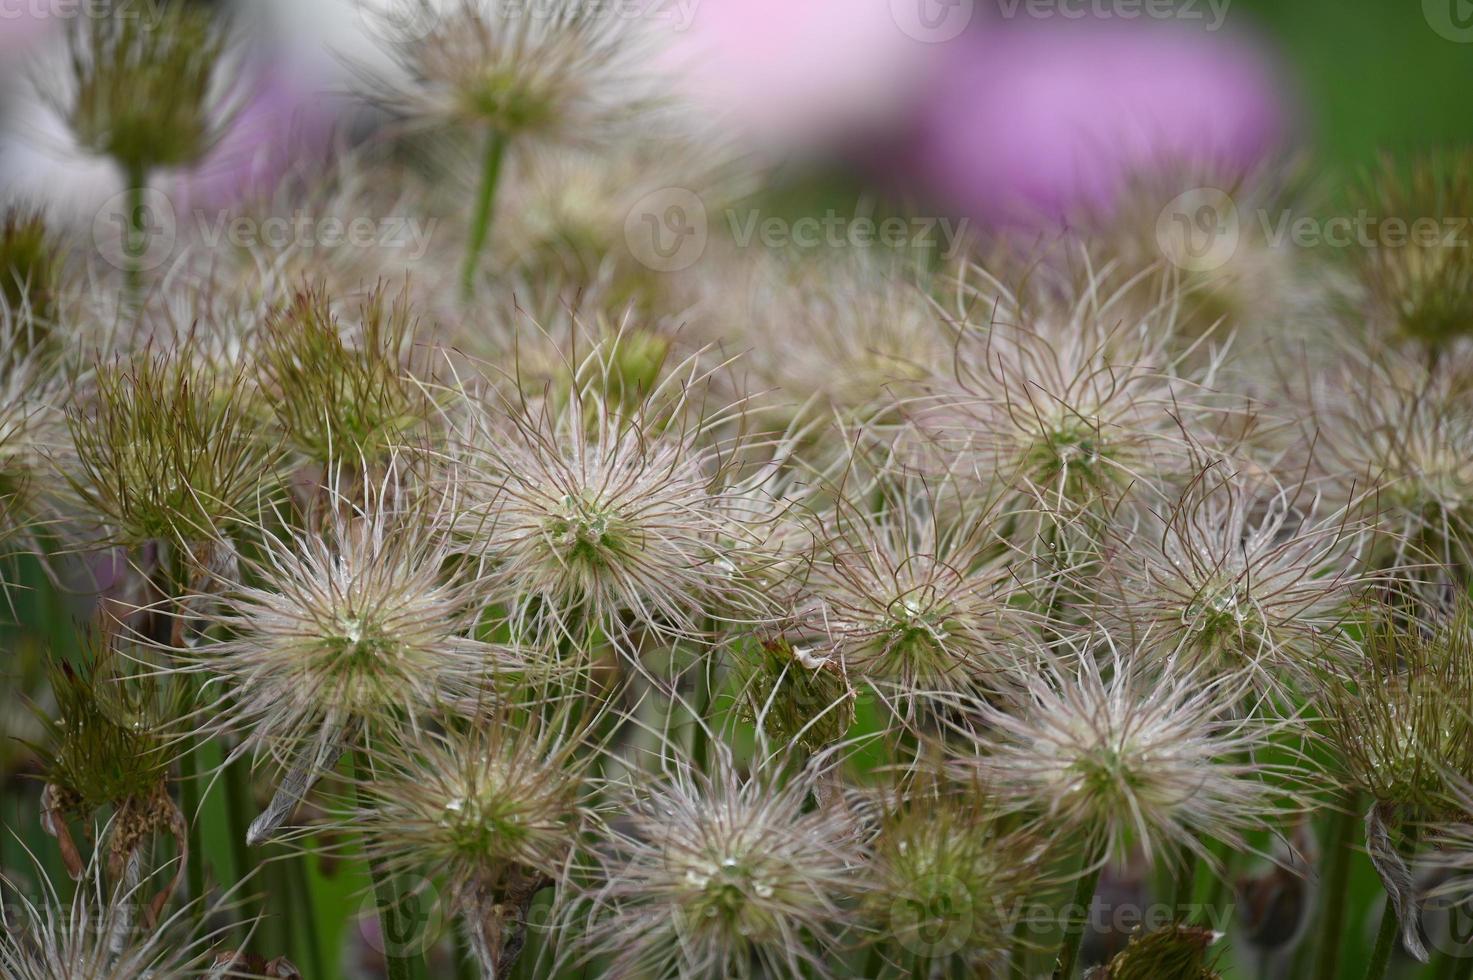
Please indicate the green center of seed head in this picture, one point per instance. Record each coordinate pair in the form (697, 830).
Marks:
(1072, 450)
(1220, 614)
(484, 824)
(1108, 773)
(505, 100)
(583, 531)
(917, 633)
(725, 891)
(364, 656)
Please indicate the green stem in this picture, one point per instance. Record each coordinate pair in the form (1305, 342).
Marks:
(1018, 955)
(1334, 888)
(1078, 912)
(1183, 886)
(1386, 936)
(485, 204)
(385, 890)
(700, 751)
(239, 805)
(189, 802)
(135, 240)
(1385, 942)
(874, 963)
(305, 947)
(1464, 969)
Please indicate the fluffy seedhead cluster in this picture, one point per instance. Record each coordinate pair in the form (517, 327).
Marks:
(163, 449)
(551, 71)
(345, 391)
(948, 881)
(1420, 288)
(144, 88)
(767, 614)
(1159, 762)
(1401, 739)
(910, 601)
(1241, 574)
(726, 876)
(606, 517)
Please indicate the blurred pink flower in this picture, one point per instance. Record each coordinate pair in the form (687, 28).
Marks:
(21, 25)
(1033, 122)
(284, 118)
(799, 73)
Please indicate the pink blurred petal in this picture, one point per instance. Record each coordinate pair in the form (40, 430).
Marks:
(283, 119)
(800, 73)
(1037, 121)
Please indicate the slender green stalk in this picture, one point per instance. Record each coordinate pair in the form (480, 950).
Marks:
(189, 802)
(1184, 882)
(485, 205)
(135, 236)
(1386, 936)
(239, 806)
(1385, 942)
(1018, 955)
(701, 738)
(1334, 888)
(1464, 969)
(1084, 893)
(306, 948)
(465, 966)
(386, 894)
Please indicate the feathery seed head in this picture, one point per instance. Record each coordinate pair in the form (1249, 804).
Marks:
(1068, 402)
(721, 875)
(906, 601)
(110, 737)
(1129, 761)
(946, 881)
(595, 515)
(345, 633)
(97, 935)
(1403, 431)
(1240, 573)
(166, 450)
(1420, 289)
(480, 805)
(30, 265)
(359, 621)
(556, 72)
(1401, 721)
(144, 86)
(344, 392)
